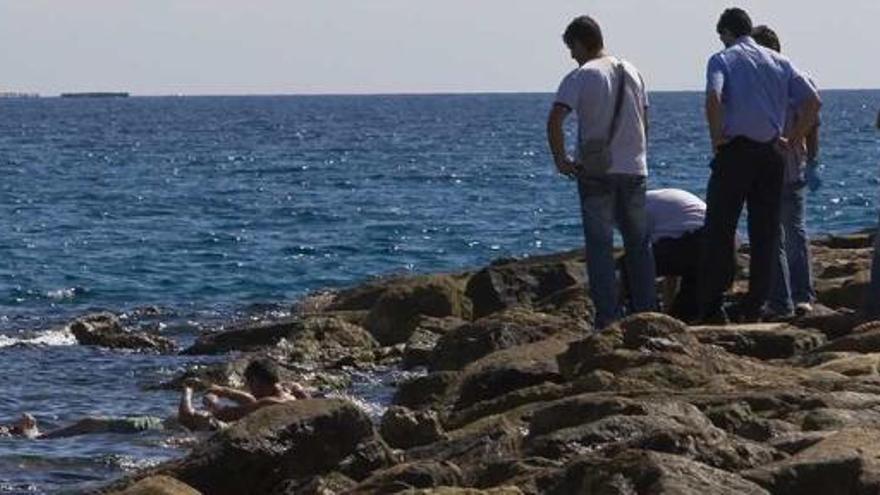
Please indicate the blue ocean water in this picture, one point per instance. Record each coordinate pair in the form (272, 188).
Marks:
(212, 206)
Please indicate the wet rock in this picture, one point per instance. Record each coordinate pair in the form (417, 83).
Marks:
(446, 490)
(424, 338)
(863, 341)
(797, 441)
(493, 439)
(274, 444)
(397, 313)
(158, 485)
(246, 337)
(510, 328)
(860, 240)
(589, 424)
(833, 323)
(310, 338)
(325, 484)
(511, 283)
(508, 370)
(738, 418)
(637, 472)
(571, 303)
(105, 330)
(846, 292)
(425, 391)
(410, 476)
(845, 463)
(761, 340)
(404, 428)
(369, 456)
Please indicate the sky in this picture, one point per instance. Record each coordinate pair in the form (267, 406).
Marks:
(161, 47)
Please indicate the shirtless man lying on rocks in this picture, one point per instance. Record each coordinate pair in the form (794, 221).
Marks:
(264, 389)
(26, 426)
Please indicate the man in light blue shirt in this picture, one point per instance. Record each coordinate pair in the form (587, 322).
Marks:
(747, 97)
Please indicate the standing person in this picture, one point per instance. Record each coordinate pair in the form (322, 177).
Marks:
(747, 96)
(793, 287)
(608, 96)
(871, 308)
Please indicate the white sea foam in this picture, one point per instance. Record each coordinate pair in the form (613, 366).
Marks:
(47, 338)
(61, 294)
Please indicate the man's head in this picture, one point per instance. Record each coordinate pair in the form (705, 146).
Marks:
(261, 377)
(583, 37)
(733, 24)
(767, 38)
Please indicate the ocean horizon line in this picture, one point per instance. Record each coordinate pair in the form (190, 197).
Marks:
(366, 94)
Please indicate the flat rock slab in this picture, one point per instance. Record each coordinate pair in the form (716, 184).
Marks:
(845, 463)
(761, 340)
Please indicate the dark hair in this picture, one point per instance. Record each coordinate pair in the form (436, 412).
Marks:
(735, 20)
(262, 370)
(767, 38)
(586, 30)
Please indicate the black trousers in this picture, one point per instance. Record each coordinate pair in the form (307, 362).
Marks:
(681, 258)
(743, 172)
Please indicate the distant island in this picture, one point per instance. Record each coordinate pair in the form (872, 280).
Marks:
(95, 95)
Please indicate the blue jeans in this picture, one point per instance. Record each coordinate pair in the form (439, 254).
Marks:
(617, 199)
(793, 282)
(872, 299)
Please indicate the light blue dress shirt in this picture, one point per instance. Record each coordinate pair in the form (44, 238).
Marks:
(757, 86)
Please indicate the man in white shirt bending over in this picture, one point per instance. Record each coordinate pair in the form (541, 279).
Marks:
(675, 224)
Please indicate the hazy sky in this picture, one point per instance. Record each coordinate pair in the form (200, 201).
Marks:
(382, 46)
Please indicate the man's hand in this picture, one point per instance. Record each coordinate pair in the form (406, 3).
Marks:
(717, 144)
(567, 167)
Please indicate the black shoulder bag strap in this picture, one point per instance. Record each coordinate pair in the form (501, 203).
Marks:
(618, 103)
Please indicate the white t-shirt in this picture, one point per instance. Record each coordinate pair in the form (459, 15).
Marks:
(590, 91)
(673, 213)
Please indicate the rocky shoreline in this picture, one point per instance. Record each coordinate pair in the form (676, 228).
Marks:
(520, 397)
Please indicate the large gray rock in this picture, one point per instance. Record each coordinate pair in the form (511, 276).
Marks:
(509, 283)
(105, 330)
(403, 428)
(277, 443)
(510, 328)
(641, 472)
(761, 340)
(846, 463)
(310, 338)
(398, 312)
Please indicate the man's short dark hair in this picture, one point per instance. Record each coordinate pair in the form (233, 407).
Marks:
(735, 20)
(262, 370)
(586, 30)
(767, 38)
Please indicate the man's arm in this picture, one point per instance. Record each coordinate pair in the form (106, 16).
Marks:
(238, 396)
(813, 144)
(807, 117)
(715, 119)
(878, 119)
(556, 139)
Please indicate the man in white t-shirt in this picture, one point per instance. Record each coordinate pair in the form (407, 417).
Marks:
(609, 98)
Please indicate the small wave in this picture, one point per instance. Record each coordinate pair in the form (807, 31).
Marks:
(63, 294)
(45, 338)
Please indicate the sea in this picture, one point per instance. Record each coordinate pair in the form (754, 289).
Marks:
(182, 213)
